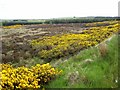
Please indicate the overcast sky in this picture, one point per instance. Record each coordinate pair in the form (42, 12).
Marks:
(42, 9)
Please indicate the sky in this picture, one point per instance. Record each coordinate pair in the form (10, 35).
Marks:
(44, 9)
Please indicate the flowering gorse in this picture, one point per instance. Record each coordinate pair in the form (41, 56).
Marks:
(57, 46)
(12, 27)
(23, 77)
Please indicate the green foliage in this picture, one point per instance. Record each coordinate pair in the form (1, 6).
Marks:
(102, 72)
(80, 20)
(60, 20)
(24, 22)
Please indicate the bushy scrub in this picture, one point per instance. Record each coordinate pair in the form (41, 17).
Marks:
(63, 45)
(23, 77)
(12, 27)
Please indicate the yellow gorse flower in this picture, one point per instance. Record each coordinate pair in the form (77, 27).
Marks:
(23, 77)
(12, 27)
(62, 45)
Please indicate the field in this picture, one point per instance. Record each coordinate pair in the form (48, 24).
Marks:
(60, 55)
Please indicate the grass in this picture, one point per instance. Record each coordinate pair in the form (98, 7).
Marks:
(28, 62)
(100, 72)
(88, 69)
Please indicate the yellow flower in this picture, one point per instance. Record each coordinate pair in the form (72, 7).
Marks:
(26, 77)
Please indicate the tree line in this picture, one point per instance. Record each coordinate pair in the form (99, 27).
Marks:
(61, 21)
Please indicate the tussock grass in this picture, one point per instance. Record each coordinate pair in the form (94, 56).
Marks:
(100, 72)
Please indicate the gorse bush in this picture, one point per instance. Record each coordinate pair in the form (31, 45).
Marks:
(97, 24)
(23, 77)
(63, 45)
(12, 27)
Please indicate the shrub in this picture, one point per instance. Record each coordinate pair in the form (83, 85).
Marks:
(23, 77)
(12, 27)
(63, 45)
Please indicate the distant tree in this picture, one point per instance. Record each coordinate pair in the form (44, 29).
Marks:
(74, 17)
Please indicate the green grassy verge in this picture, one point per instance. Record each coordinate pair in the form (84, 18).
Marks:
(89, 69)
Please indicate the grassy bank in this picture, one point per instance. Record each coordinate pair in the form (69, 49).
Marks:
(91, 68)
